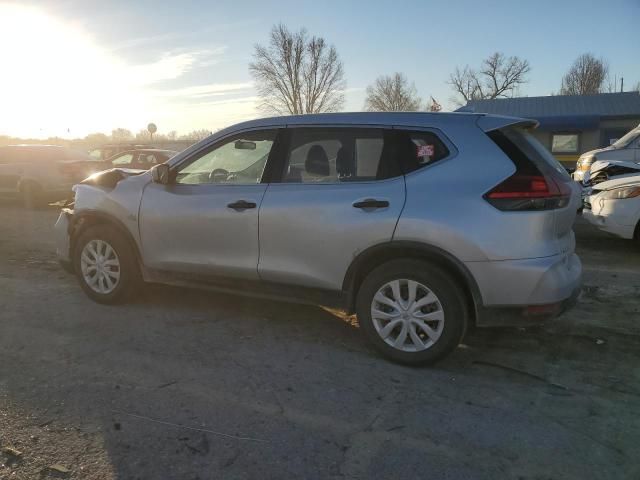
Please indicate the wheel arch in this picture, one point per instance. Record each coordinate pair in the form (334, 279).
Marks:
(375, 256)
(89, 218)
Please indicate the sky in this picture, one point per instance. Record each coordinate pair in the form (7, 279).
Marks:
(73, 67)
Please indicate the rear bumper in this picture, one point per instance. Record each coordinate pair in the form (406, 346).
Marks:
(524, 292)
(521, 317)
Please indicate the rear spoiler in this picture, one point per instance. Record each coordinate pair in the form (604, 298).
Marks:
(489, 123)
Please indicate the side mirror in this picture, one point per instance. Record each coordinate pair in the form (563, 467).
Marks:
(161, 173)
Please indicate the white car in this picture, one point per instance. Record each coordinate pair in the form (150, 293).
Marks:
(614, 206)
(620, 158)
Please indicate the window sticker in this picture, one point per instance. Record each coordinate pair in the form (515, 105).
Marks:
(425, 151)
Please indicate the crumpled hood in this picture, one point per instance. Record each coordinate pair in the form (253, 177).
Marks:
(110, 178)
(623, 180)
(602, 164)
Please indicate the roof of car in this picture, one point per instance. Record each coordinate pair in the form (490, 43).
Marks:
(148, 150)
(430, 119)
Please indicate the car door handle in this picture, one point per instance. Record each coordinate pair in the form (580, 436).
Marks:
(371, 203)
(241, 205)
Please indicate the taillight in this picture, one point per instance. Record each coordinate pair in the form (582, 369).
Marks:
(529, 192)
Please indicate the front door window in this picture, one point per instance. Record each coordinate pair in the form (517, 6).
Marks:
(239, 160)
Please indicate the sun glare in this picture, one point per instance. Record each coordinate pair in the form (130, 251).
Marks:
(56, 81)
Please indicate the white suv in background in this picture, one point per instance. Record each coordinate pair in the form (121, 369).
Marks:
(620, 158)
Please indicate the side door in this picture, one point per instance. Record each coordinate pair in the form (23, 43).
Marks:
(205, 220)
(336, 192)
(12, 168)
(6, 175)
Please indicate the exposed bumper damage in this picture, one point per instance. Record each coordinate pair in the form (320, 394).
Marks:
(110, 178)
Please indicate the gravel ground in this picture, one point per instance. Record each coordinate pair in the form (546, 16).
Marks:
(195, 385)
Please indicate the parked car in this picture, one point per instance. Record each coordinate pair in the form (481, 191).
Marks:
(142, 159)
(105, 152)
(366, 211)
(614, 206)
(620, 158)
(40, 173)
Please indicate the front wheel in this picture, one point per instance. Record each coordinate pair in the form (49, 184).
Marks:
(105, 265)
(412, 311)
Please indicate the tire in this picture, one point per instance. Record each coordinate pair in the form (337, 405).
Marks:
(112, 288)
(429, 281)
(31, 194)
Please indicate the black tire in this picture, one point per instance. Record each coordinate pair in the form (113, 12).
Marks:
(130, 278)
(448, 292)
(31, 194)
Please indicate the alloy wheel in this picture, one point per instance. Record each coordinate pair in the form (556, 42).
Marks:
(100, 266)
(407, 315)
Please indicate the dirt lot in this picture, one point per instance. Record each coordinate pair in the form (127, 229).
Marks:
(194, 385)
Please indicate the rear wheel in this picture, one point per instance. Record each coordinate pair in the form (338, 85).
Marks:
(105, 265)
(411, 311)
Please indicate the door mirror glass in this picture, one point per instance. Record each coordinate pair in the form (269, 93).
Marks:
(160, 174)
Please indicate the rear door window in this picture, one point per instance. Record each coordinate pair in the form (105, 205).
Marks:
(336, 155)
(122, 160)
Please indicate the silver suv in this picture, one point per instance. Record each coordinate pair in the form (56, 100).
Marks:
(422, 224)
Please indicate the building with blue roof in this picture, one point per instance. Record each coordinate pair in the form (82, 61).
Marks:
(570, 124)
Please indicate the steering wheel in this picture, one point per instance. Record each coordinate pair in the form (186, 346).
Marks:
(218, 174)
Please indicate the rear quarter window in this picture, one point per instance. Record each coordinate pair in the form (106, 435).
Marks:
(418, 149)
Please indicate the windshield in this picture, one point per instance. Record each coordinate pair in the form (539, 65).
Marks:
(627, 139)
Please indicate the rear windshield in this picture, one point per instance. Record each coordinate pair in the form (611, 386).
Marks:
(524, 149)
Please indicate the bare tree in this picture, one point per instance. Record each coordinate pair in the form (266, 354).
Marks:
(121, 135)
(392, 93)
(196, 135)
(143, 135)
(587, 75)
(298, 74)
(498, 76)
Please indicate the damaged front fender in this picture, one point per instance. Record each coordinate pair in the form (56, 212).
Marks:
(112, 196)
(110, 178)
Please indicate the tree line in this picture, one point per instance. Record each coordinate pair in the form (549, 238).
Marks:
(296, 73)
(118, 135)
